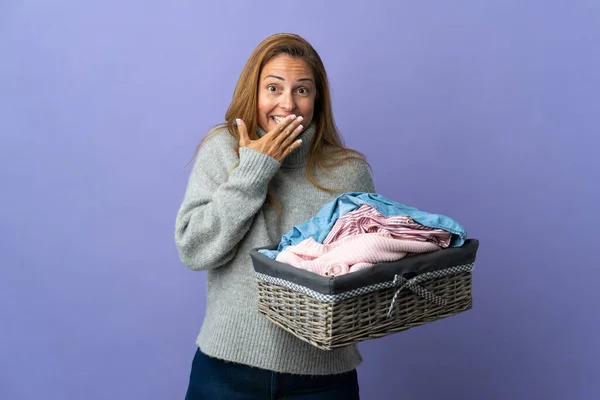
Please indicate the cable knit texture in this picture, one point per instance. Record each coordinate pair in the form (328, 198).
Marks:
(222, 216)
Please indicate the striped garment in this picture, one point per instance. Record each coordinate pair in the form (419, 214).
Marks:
(367, 219)
(351, 253)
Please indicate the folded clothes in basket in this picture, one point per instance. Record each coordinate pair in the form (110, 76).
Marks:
(320, 226)
(359, 230)
(351, 253)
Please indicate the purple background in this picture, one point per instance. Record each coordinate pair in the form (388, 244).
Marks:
(486, 111)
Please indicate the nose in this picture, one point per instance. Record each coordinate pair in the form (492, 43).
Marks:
(287, 102)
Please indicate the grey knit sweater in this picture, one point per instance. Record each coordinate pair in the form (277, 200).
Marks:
(223, 215)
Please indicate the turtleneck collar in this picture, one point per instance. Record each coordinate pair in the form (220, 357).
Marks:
(297, 158)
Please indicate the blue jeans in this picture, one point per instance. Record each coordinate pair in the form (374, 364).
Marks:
(214, 379)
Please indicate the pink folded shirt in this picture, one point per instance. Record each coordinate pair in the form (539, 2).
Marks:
(351, 253)
(367, 219)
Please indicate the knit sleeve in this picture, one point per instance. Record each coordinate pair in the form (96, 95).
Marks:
(223, 194)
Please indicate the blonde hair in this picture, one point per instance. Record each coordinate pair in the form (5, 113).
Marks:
(327, 149)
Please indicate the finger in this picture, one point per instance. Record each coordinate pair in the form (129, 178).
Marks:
(243, 132)
(290, 132)
(289, 137)
(294, 146)
(285, 151)
(281, 126)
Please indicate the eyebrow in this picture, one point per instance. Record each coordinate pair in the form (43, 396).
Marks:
(281, 79)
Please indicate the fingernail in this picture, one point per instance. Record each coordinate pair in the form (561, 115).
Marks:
(292, 116)
(238, 121)
(299, 127)
(300, 119)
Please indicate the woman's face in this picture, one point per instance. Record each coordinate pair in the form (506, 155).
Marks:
(286, 86)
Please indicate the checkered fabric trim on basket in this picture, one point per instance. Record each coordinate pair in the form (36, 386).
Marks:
(411, 284)
(325, 298)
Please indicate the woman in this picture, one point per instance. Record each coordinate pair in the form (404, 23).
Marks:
(274, 163)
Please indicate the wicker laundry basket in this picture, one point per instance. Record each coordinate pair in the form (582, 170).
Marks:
(331, 312)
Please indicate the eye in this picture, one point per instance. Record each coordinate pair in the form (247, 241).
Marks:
(303, 90)
(271, 88)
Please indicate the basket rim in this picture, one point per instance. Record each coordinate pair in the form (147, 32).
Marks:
(334, 298)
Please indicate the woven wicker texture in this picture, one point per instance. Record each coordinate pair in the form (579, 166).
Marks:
(338, 324)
